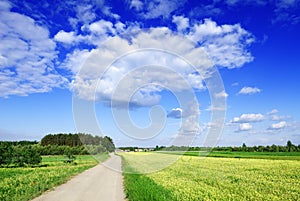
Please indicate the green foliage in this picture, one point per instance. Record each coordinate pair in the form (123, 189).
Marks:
(290, 147)
(71, 140)
(80, 143)
(107, 142)
(6, 152)
(25, 155)
(70, 158)
(18, 155)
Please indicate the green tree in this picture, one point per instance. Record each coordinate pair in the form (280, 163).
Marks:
(25, 155)
(289, 146)
(6, 152)
(244, 147)
(107, 142)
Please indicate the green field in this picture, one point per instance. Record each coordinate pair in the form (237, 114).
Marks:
(20, 184)
(210, 178)
(236, 154)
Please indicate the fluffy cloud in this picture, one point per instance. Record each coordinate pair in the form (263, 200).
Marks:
(136, 4)
(157, 8)
(175, 113)
(278, 126)
(101, 27)
(65, 37)
(190, 125)
(165, 70)
(181, 22)
(245, 127)
(225, 44)
(247, 118)
(249, 90)
(26, 59)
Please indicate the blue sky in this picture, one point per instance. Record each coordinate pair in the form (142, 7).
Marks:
(84, 66)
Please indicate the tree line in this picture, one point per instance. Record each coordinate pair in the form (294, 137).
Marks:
(22, 153)
(289, 147)
(18, 155)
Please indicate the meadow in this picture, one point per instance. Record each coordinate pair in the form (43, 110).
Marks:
(210, 178)
(240, 154)
(25, 183)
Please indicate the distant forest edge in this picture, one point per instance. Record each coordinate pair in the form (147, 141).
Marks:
(20, 153)
(289, 147)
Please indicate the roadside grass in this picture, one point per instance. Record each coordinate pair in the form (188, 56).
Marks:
(213, 178)
(22, 184)
(149, 190)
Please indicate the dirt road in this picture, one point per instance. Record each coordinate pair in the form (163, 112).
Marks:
(99, 183)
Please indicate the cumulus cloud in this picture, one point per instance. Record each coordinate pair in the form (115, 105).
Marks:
(26, 59)
(165, 71)
(175, 113)
(249, 90)
(278, 126)
(65, 37)
(181, 22)
(190, 125)
(223, 42)
(245, 127)
(102, 30)
(247, 118)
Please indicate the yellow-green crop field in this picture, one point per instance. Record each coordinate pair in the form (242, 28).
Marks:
(25, 183)
(195, 178)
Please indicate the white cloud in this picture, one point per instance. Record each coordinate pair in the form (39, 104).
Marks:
(26, 56)
(287, 11)
(249, 90)
(181, 22)
(225, 44)
(246, 2)
(5, 6)
(273, 115)
(85, 13)
(164, 8)
(101, 27)
(75, 60)
(247, 118)
(136, 4)
(65, 37)
(272, 112)
(279, 118)
(177, 74)
(278, 126)
(211, 108)
(190, 124)
(175, 113)
(245, 127)
(221, 94)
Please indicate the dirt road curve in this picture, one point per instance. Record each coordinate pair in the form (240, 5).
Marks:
(96, 184)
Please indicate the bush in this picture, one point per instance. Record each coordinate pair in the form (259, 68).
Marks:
(19, 155)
